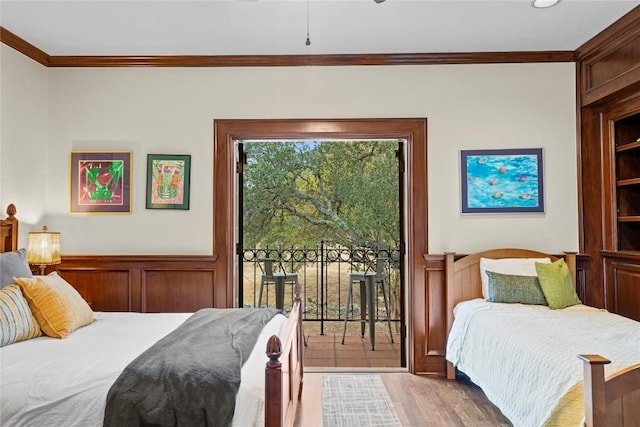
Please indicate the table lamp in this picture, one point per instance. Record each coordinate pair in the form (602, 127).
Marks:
(43, 248)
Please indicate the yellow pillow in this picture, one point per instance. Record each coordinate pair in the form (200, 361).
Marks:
(56, 305)
(16, 321)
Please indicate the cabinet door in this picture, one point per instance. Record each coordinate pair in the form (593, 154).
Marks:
(623, 287)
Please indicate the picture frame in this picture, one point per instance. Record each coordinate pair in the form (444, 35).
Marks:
(100, 182)
(502, 181)
(168, 181)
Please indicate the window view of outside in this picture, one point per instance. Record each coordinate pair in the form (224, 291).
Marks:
(319, 211)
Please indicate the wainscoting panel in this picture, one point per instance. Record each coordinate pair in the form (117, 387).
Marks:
(103, 290)
(429, 329)
(144, 283)
(436, 334)
(177, 291)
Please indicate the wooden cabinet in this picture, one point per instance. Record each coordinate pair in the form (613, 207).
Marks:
(622, 281)
(627, 184)
(609, 166)
(620, 251)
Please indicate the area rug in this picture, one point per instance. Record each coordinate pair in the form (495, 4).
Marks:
(356, 400)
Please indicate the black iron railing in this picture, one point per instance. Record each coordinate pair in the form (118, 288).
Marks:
(323, 274)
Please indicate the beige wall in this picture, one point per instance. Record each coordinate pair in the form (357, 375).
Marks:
(23, 138)
(172, 110)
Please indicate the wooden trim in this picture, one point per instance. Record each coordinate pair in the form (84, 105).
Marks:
(413, 130)
(24, 47)
(614, 35)
(449, 272)
(310, 60)
(141, 260)
(612, 50)
(631, 256)
(43, 58)
(579, 169)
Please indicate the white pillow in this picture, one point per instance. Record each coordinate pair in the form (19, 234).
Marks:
(514, 266)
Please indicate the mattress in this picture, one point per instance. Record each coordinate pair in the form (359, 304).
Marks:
(524, 357)
(47, 381)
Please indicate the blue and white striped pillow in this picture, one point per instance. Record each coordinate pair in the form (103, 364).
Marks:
(16, 321)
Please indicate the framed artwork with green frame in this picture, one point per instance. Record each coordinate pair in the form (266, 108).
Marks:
(100, 182)
(168, 177)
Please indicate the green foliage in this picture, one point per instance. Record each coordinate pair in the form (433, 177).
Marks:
(298, 193)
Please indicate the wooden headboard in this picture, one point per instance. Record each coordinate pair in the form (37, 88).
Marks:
(463, 277)
(9, 230)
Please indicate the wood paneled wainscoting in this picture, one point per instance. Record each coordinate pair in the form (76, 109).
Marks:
(429, 319)
(146, 284)
(429, 305)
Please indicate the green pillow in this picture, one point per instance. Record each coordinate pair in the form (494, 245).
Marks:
(556, 283)
(511, 288)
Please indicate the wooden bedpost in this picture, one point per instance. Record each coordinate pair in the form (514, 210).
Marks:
(9, 230)
(284, 370)
(273, 384)
(570, 259)
(595, 404)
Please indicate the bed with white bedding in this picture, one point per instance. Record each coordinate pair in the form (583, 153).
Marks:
(525, 356)
(59, 359)
(505, 348)
(49, 381)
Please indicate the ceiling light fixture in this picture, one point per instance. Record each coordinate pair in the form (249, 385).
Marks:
(540, 4)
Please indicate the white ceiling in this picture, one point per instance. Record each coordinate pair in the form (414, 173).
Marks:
(269, 27)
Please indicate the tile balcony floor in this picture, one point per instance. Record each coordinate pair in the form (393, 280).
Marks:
(327, 351)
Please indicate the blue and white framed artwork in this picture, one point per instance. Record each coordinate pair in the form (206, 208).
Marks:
(507, 180)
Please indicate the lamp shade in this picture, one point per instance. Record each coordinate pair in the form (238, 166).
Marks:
(43, 247)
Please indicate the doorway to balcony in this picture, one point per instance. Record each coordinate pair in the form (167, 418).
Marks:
(325, 215)
(413, 209)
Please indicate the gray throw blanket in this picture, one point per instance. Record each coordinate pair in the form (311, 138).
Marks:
(191, 376)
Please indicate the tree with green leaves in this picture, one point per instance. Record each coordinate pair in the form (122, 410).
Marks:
(298, 193)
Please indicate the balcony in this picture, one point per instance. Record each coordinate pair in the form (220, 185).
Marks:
(323, 274)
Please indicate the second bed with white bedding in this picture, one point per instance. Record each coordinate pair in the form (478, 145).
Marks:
(525, 353)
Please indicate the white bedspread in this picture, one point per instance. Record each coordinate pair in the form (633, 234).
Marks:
(524, 357)
(47, 381)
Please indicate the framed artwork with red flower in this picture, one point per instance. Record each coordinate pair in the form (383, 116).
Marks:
(100, 182)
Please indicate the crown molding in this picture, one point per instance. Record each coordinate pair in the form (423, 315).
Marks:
(612, 37)
(308, 60)
(43, 58)
(24, 47)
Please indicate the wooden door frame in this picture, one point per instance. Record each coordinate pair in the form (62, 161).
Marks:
(413, 130)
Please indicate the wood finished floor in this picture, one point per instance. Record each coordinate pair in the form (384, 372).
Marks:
(418, 401)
